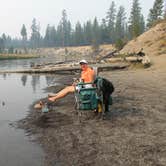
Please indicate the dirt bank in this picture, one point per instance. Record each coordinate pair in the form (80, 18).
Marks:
(133, 133)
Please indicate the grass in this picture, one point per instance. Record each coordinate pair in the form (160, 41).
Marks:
(16, 56)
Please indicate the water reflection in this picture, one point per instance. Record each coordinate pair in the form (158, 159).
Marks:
(17, 93)
(24, 79)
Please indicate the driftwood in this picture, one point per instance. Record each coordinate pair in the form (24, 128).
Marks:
(109, 55)
(69, 70)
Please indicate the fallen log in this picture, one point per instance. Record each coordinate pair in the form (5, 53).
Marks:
(69, 70)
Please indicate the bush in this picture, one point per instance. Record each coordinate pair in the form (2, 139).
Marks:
(119, 44)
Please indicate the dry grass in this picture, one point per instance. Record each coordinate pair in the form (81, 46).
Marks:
(17, 56)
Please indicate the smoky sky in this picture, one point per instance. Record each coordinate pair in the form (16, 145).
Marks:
(15, 13)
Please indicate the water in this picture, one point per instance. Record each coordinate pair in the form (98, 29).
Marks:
(17, 64)
(17, 92)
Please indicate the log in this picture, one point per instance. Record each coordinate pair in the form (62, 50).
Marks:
(69, 70)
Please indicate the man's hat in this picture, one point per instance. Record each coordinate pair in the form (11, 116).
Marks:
(83, 61)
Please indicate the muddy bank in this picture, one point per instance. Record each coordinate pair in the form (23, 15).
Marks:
(133, 133)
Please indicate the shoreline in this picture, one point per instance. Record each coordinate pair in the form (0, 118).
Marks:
(129, 131)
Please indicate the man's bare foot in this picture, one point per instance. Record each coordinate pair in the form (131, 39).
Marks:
(39, 105)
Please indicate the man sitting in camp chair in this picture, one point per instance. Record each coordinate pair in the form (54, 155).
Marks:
(87, 76)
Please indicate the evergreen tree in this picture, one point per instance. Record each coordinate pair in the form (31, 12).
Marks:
(165, 9)
(35, 35)
(59, 35)
(120, 23)
(111, 14)
(2, 45)
(155, 13)
(104, 32)
(120, 27)
(88, 33)
(135, 18)
(69, 34)
(78, 34)
(96, 32)
(142, 24)
(24, 33)
(24, 37)
(50, 36)
(65, 33)
(96, 36)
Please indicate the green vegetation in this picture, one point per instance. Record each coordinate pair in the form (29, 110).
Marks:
(155, 13)
(16, 56)
(114, 29)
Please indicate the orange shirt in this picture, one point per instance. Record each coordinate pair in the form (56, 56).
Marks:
(87, 75)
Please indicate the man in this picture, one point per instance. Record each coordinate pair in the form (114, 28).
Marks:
(87, 76)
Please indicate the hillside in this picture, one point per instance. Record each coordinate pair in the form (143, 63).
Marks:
(153, 43)
(75, 53)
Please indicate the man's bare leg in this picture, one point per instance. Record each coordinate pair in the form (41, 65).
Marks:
(62, 93)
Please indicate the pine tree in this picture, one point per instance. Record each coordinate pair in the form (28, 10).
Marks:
(35, 35)
(24, 33)
(78, 35)
(65, 33)
(120, 27)
(96, 36)
(165, 9)
(88, 30)
(50, 36)
(142, 24)
(155, 13)
(120, 23)
(111, 14)
(104, 32)
(2, 45)
(135, 18)
(24, 37)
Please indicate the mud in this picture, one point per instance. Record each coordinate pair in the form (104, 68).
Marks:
(133, 132)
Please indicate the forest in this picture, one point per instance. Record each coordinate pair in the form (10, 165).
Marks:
(115, 28)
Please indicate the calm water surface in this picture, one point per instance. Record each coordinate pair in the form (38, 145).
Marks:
(17, 92)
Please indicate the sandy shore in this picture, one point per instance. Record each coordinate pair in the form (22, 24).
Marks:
(133, 133)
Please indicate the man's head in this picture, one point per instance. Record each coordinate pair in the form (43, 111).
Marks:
(84, 64)
(83, 61)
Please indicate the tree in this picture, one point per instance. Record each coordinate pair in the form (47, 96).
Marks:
(135, 19)
(2, 45)
(96, 37)
(88, 29)
(104, 32)
(50, 36)
(120, 27)
(120, 23)
(165, 9)
(78, 34)
(142, 24)
(66, 29)
(24, 37)
(24, 33)
(155, 13)
(111, 14)
(35, 35)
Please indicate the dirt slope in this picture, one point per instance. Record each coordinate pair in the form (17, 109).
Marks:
(153, 43)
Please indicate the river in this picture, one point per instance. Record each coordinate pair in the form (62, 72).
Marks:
(17, 92)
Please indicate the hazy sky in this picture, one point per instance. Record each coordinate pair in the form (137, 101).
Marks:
(15, 13)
